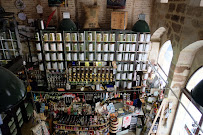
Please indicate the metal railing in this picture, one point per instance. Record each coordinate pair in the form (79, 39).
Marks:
(195, 122)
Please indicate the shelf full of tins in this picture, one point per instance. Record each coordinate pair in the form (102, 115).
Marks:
(51, 55)
(132, 60)
(87, 57)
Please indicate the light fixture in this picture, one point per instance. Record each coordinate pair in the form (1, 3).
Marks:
(141, 25)
(12, 90)
(197, 93)
(67, 24)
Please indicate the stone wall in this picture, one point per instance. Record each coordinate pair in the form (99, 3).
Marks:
(134, 8)
(183, 23)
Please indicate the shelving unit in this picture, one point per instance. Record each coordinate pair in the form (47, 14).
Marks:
(9, 38)
(89, 54)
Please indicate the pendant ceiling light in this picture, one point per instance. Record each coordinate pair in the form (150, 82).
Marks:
(197, 93)
(141, 25)
(67, 24)
(12, 90)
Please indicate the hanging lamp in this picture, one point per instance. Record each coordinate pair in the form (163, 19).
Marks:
(141, 25)
(12, 90)
(67, 24)
(197, 93)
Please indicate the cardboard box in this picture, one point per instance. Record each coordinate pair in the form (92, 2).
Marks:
(119, 20)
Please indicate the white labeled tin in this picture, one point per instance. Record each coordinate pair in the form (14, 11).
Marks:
(58, 37)
(111, 47)
(68, 56)
(105, 37)
(54, 65)
(121, 37)
(82, 56)
(119, 56)
(75, 45)
(132, 57)
(53, 46)
(119, 67)
(53, 56)
(111, 57)
(89, 37)
(46, 37)
(60, 56)
(67, 37)
(105, 47)
(68, 47)
(48, 65)
(47, 56)
(105, 58)
(99, 47)
(120, 47)
(74, 37)
(112, 37)
(39, 56)
(132, 47)
(148, 36)
(59, 46)
(41, 67)
(131, 67)
(60, 65)
(38, 47)
(99, 56)
(139, 57)
(51, 37)
(81, 46)
(91, 56)
(141, 46)
(118, 76)
(127, 47)
(128, 37)
(141, 38)
(75, 58)
(125, 67)
(129, 85)
(134, 37)
(99, 37)
(90, 47)
(126, 56)
(81, 36)
(130, 76)
(138, 67)
(46, 47)
(123, 76)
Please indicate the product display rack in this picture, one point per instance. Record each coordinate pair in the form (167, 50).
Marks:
(9, 38)
(93, 50)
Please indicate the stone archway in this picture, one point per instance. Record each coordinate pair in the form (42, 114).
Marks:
(181, 73)
(183, 66)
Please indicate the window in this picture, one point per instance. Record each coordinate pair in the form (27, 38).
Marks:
(164, 59)
(183, 120)
(195, 79)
